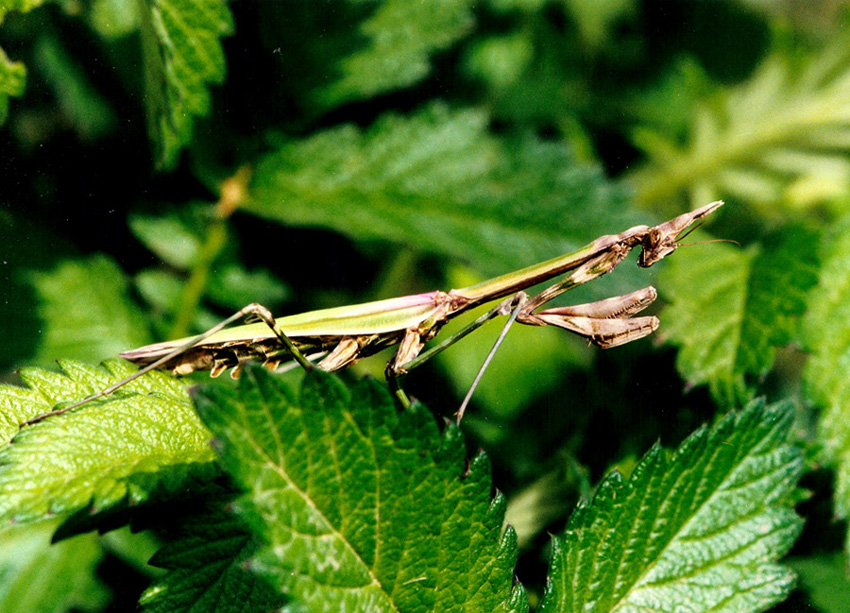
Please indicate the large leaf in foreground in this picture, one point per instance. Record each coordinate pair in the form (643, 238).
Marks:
(440, 182)
(698, 531)
(143, 442)
(362, 508)
(730, 308)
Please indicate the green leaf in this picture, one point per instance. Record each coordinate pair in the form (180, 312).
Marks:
(400, 36)
(13, 76)
(439, 182)
(362, 508)
(142, 443)
(183, 55)
(38, 576)
(780, 137)
(699, 530)
(234, 287)
(206, 558)
(826, 334)
(731, 307)
(171, 238)
(85, 310)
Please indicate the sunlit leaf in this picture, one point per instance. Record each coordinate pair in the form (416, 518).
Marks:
(781, 136)
(361, 507)
(730, 308)
(700, 529)
(142, 443)
(439, 182)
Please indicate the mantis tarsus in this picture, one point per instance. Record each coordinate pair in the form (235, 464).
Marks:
(338, 337)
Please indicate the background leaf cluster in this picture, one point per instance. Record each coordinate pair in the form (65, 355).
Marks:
(166, 162)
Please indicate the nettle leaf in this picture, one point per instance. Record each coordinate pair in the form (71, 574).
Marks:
(731, 307)
(826, 334)
(399, 38)
(183, 56)
(207, 559)
(85, 310)
(698, 530)
(38, 576)
(782, 136)
(360, 507)
(438, 180)
(142, 443)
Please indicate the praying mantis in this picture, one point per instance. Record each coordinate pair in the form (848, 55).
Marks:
(331, 339)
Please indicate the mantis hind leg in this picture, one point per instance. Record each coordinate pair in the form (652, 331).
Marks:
(261, 313)
(254, 310)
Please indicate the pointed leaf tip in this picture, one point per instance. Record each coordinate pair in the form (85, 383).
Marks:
(339, 474)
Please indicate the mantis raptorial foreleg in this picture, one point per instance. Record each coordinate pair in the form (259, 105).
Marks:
(598, 328)
(605, 323)
(345, 334)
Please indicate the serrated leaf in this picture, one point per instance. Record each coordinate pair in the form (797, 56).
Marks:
(826, 334)
(780, 137)
(400, 36)
(142, 443)
(438, 181)
(206, 561)
(38, 576)
(360, 507)
(699, 531)
(85, 310)
(183, 56)
(731, 307)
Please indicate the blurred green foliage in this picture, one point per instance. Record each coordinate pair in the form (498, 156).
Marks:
(164, 162)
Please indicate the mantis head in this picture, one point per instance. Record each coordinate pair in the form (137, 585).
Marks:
(663, 239)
